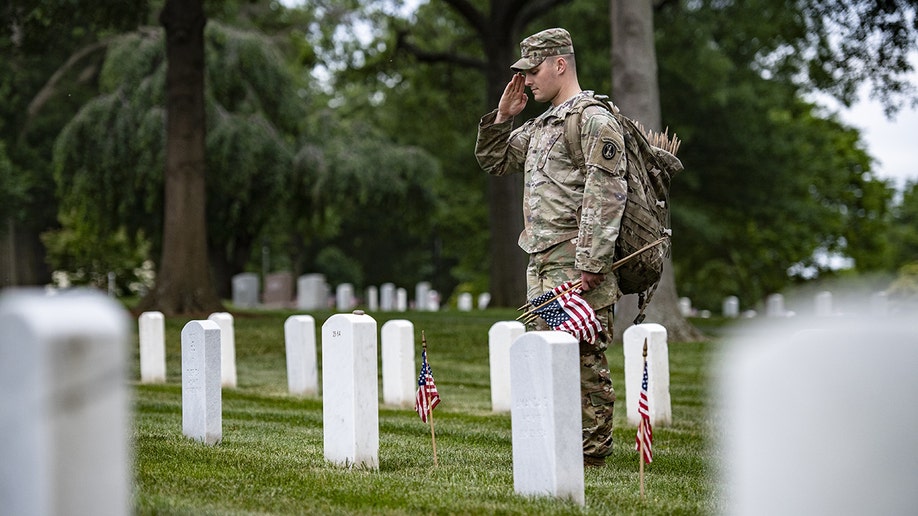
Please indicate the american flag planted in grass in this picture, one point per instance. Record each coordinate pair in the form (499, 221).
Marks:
(564, 309)
(427, 396)
(644, 439)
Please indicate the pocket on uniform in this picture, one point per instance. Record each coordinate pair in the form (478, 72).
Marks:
(549, 152)
(600, 398)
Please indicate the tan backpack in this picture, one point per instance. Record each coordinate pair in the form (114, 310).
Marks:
(644, 238)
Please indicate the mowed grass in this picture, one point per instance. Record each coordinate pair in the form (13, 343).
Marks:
(271, 459)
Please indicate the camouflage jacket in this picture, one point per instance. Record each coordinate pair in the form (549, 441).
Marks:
(560, 202)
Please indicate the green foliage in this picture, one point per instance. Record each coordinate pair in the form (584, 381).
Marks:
(904, 290)
(903, 236)
(271, 460)
(49, 59)
(109, 158)
(771, 182)
(381, 198)
(90, 257)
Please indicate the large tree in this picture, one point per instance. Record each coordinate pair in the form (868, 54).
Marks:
(184, 283)
(637, 94)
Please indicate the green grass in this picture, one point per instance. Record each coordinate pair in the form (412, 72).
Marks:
(271, 459)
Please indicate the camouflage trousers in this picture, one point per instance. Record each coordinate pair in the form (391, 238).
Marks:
(547, 270)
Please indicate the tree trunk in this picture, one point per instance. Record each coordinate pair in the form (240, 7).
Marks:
(22, 256)
(637, 93)
(183, 283)
(505, 194)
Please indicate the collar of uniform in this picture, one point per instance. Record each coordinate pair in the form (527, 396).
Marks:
(560, 111)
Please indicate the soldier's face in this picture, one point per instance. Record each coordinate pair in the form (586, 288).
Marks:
(543, 80)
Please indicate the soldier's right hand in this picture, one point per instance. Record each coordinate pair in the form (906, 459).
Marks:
(513, 100)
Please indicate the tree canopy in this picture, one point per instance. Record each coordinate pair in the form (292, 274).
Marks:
(340, 138)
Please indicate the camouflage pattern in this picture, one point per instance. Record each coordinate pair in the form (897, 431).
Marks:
(560, 202)
(572, 220)
(547, 270)
(535, 48)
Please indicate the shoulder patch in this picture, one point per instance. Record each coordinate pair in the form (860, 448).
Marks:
(608, 150)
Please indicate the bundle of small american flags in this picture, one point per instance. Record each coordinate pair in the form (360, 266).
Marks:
(564, 309)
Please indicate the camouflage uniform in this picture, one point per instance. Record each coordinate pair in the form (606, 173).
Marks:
(572, 219)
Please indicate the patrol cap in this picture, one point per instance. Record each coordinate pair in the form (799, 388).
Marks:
(535, 48)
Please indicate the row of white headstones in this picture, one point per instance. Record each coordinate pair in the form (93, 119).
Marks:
(534, 375)
(64, 430)
(812, 418)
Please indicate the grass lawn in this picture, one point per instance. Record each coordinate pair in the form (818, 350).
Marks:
(271, 458)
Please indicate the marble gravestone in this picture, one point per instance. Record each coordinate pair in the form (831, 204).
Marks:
(151, 327)
(399, 378)
(64, 404)
(302, 364)
(545, 416)
(202, 397)
(500, 336)
(350, 391)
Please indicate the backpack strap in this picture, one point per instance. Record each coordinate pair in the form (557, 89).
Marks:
(572, 127)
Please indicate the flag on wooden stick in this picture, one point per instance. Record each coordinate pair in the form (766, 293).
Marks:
(565, 309)
(644, 437)
(427, 396)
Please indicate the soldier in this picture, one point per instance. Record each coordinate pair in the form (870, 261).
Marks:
(572, 216)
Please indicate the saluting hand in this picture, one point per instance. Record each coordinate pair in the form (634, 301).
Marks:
(513, 100)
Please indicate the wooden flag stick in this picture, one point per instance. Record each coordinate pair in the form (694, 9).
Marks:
(433, 436)
(532, 310)
(641, 455)
(529, 313)
(574, 285)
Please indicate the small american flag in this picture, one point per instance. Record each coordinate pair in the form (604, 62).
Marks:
(568, 312)
(427, 397)
(645, 432)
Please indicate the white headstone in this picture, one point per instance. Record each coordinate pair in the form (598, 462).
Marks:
(464, 302)
(821, 420)
(151, 327)
(311, 292)
(659, 402)
(302, 364)
(731, 307)
(387, 297)
(774, 306)
(64, 404)
(344, 297)
(421, 297)
(245, 290)
(350, 396)
(401, 300)
(398, 374)
(372, 299)
(685, 306)
(823, 302)
(202, 397)
(500, 336)
(546, 416)
(433, 301)
(227, 347)
(484, 299)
